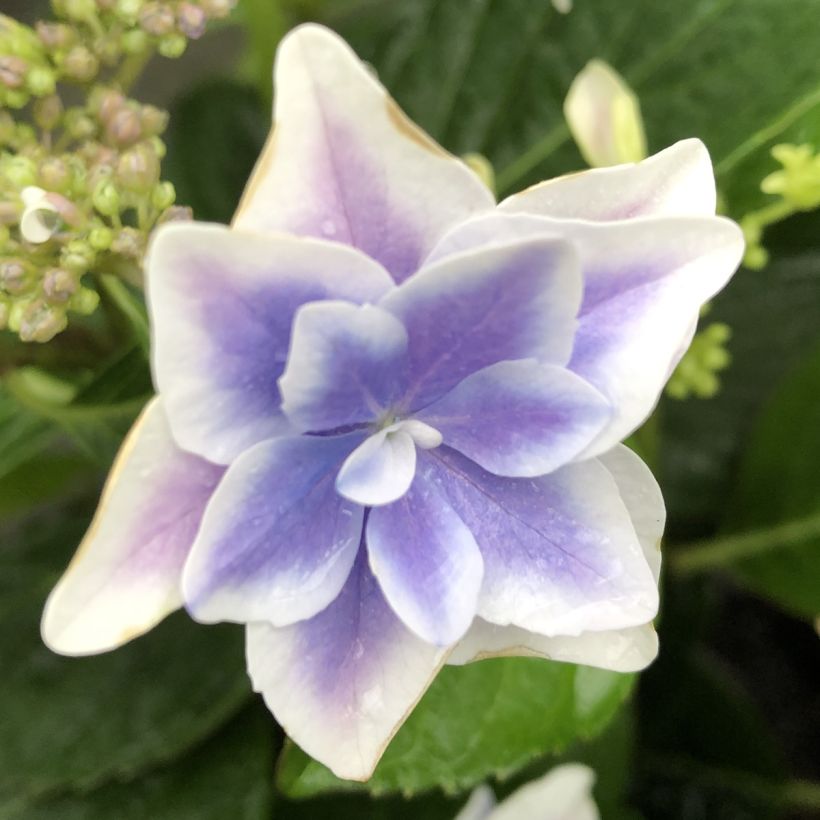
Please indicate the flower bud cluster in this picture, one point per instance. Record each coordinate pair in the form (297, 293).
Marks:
(80, 183)
(797, 188)
(697, 373)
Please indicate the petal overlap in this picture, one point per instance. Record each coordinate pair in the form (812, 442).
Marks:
(343, 682)
(561, 556)
(344, 163)
(277, 542)
(477, 308)
(222, 303)
(126, 574)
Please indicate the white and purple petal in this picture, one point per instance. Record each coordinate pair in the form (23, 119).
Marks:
(344, 163)
(343, 682)
(427, 562)
(520, 418)
(277, 542)
(471, 310)
(677, 181)
(125, 576)
(345, 366)
(222, 303)
(561, 556)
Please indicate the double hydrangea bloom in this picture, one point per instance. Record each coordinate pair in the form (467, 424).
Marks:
(388, 419)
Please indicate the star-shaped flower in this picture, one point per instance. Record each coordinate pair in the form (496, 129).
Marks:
(388, 419)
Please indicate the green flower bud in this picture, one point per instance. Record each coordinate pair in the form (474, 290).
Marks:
(60, 285)
(48, 112)
(55, 175)
(15, 276)
(16, 309)
(135, 41)
(55, 36)
(154, 120)
(106, 198)
(41, 322)
(20, 171)
(82, 10)
(109, 48)
(40, 81)
(85, 301)
(129, 242)
(77, 256)
(80, 64)
(217, 9)
(138, 169)
(172, 45)
(79, 124)
(100, 238)
(128, 10)
(163, 196)
(14, 98)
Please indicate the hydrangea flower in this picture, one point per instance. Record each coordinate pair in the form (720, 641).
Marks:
(563, 793)
(387, 428)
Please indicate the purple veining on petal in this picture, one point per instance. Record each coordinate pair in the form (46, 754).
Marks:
(560, 553)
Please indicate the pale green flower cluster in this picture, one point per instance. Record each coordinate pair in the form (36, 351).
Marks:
(80, 176)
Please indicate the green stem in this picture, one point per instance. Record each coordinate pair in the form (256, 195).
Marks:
(131, 68)
(718, 552)
(771, 213)
(129, 307)
(802, 794)
(507, 177)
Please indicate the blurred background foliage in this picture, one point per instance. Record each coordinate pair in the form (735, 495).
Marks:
(726, 724)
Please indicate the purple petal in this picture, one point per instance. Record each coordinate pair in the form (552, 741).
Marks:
(222, 303)
(561, 556)
(125, 576)
(277, 542)
(520, 418)
(427, 562)
(344, 163)
(342, 683)
(675, 182)
(345, 365)
(472, 310)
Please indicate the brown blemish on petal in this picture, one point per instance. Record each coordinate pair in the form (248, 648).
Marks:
(260, 171)
(407, 128)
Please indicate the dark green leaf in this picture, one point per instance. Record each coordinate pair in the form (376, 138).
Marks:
(79, 722)
(488, 718)
(228, 777)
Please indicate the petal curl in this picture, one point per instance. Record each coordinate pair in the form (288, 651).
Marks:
(427, 562)
(345, 365)
(561, 556)
(277, 542)
(221, 304)
(520, 418)
(125, 576)
(677, 181)
(343, 682)
(474, 309)
(344, 163)
(645, 281)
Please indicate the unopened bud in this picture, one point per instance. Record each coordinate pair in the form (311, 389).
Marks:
(55, 36)
(100, 238)
(124, 127)
(106, 199)
(55, 174)
(80, 64)
(156, 19)
(82, 10)
(47, 112)
(191, 20)
(106, 102)
(10, 213)
(41, 322)
(20, 171)
(85, 301)
(8, 128)
(128, 10)
(138, 169)
(134, 41)
(12, 71)
(40, 81)
(14, 276)
(176, 213)
(154, 120)
(59, 285)
(163, 196)
(128, 242)
(79, 124)
(78, 256)
(217, 9)
(172, 46)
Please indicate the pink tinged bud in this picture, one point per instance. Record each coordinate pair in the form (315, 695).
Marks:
(80, 64)
(157, 19)
(138, 169)
(128, 242)
(14, 278)
(59, 285)
(191, 20)
(41, 322)
(154, 120)
(55, 35)
(55, 174)
(216, 9)
(12, 71)
(106, 103)
(124, 128)
(176, 213)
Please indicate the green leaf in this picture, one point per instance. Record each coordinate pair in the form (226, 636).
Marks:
(723, 70)
(487, 718)
(779, 481)
(216, 134)
(79, 722)
(228, 777)
(23, 433)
